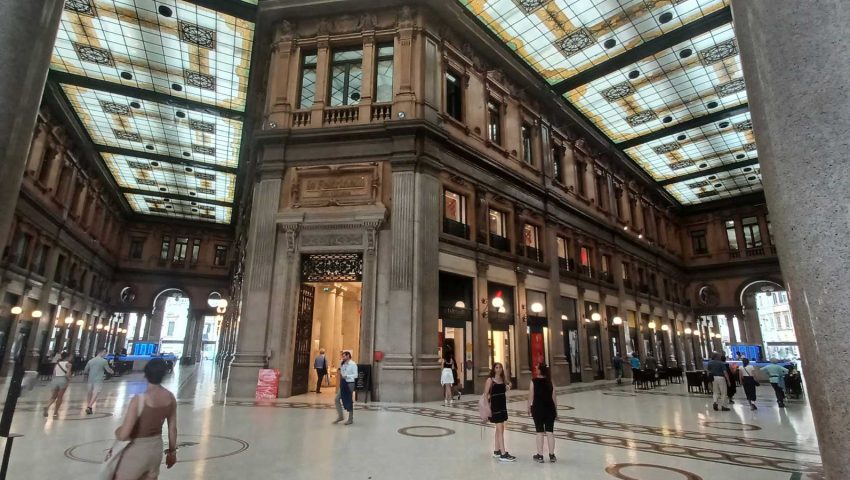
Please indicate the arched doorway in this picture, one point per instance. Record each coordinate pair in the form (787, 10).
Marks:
(169, 321)
(767, 302)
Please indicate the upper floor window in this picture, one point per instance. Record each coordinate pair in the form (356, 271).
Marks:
(498, 223)
(181, 245)
(196, 251)
(731, 235)
(137, 245)
(769, 230)
(627, 273)
(346, 77)
(698, 242)
(384, 74)
(308, 80)
(60, 269)
(606, 264)
(618, 197)
(586, 261)
(22, 248)
(454, 214)
(220, 258)
(454, 95)
(563, 247)
(601, 190)
(165, 248)
(530, 236)
(494, 122)
(558, 163)
(46, 165)
(752, 233)
(527, 143)
(40, 259)
(580, 186)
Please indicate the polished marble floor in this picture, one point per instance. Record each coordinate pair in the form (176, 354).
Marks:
(603, 432)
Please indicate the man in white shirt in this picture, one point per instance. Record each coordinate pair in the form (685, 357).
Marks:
(345, 391)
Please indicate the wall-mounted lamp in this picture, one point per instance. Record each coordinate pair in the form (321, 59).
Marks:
(69, 320)
(36, 314)
(498, 303)
(80, 322)
(688, 331)
(617, 321)
(460, 304)
(536, 307)
(665, 327)
(651, 325)
(696, 333)
(596, 317)
(16, 310)
(99, 326)
(565, 318)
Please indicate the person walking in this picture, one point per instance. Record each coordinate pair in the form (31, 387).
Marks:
(345, 390)
(775, 373)
(447, 377)
(732, 375)
(543, 408)
(748, 381)
(496, 390)
(142, 426)
(321, 366)
(59, 383)
(720, 380)
(618, 368)
(635, 364)
(96, 369)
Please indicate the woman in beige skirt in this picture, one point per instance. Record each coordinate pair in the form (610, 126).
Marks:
(142, 458)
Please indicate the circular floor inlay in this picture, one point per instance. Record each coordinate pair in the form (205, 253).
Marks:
(214, 446)
(619, 394)
(741, 427)
(426, 431)
(616, 471)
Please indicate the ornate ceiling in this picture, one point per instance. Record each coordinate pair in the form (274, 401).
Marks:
(662, 79)
(160, 87)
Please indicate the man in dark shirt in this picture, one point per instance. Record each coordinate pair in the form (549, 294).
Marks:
(718, 371)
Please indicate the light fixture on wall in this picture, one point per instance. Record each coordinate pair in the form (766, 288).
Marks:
(617, 321)
(460, 304)
(99, 326)
(688, 331)
(36, 314)
(497, 303)
(696, 333)
(651, 325)
(81, 322)
(16, 310)
(596, 316)
(564, 317)
(536, 307)
(69, 320)
(665, 327)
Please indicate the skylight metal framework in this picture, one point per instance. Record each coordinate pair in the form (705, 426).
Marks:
(661, 79)
(161, 89)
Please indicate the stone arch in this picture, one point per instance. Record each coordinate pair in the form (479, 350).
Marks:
(751, 285)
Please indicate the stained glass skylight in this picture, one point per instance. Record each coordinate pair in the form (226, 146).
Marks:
(690, 80)
(560, 38)
(117, 121)
(716, 186)
(169, 207)
(720, 143)
(169, 46)
(170, 178)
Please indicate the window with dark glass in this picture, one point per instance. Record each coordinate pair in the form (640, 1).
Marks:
(46, 165)
(40, 257)
(731, 235)
(580, 187)
(498, 222)
(60, 267)
(137, 245)
(698, 242)
(307, 95)
(752, 233)
(618, 197)
(165, 248)
(527, 143)
(454, 214)
(602, 191)
(220, 258)
(558, 163)
(346, 77)
(494, 122)
(384, 73)
(606, 267)
(454, 96)
(181, 245)
(196, 251)
(627, 274)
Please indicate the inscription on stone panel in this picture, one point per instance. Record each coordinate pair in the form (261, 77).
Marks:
(338, 185)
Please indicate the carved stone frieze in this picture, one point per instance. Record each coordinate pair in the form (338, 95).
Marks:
(332, 239)
(336, 185)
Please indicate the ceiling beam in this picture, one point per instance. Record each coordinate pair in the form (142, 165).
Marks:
(647, 49)
(175, 196)
(142, 94)
(164, 158)
(238, 9)
(686, 125)
(709, 171)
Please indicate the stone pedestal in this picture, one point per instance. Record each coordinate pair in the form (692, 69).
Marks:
(27, 33)
(797, 69)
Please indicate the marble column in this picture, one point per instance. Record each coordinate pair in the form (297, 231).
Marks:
(27, 33)
(559, 367)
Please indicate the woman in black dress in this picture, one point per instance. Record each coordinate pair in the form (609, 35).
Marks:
(543, 408)
(496, 390)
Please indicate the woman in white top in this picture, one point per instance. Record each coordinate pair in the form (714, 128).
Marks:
(745, 375)
(447, 377)
(59, 383)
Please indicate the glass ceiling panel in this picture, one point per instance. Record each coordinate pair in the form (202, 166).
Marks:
(169, 46)
(721, 185)
(166, 207)
(170, 178)
(690, 80)
(560, 38)
(719, 143)
(117, 121)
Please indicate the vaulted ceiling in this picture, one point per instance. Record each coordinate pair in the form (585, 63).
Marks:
(160, 88)
(662, 79)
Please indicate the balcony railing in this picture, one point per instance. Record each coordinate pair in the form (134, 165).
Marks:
(606, 277)
(381, 112)
(500, 243)
(533, 253)
(341, 115)
(301, 118)
(567, 264)
(586, 270)
(458, 229)
(755, 252)
(734, 254)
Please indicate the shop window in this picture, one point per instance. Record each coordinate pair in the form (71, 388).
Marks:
(346, 77)
(494, 122)
(384, 74)
(698, 242)
(137, 245)
(454, 95)
(454, 214)
(731, 235)
(307, 95)
(220, 259)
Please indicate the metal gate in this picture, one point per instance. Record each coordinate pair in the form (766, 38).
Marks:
(303, 333)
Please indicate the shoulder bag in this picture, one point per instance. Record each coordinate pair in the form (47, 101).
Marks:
(113, 455)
